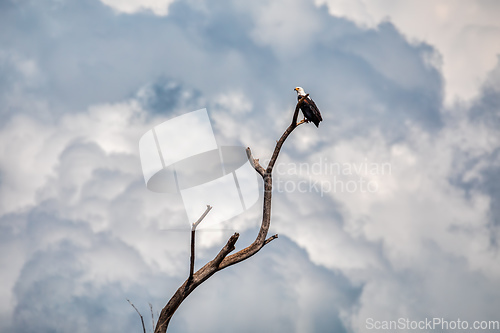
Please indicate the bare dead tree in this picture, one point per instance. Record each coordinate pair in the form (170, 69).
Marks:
(223, 259)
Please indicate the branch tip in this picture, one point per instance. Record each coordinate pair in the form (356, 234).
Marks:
(140, 315)
(195, 224)
(273, 237)
(255, 162)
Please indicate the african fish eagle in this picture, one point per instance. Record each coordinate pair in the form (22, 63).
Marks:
(308, 107)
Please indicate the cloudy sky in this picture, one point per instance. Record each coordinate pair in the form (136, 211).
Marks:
(391, 209)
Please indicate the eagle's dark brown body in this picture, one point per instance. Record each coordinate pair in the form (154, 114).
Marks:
(310, 110)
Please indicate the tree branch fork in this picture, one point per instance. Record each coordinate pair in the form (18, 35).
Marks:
(224, 259)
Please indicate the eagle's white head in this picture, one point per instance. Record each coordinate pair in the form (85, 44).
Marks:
(300, 91)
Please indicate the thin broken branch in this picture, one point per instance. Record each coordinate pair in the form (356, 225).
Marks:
(273, 237)
(142, 319)
(152, 315)
(255, 163)
(193, 231)
(195, 224)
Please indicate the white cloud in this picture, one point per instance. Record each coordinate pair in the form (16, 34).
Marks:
(234, 102)
(465, 33)
(31, 148)
(158, 7)
(417, 227)
(285, 27)
(77, 218)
